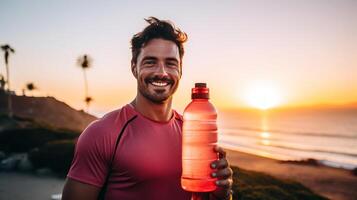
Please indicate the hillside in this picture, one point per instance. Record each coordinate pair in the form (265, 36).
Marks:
(46, 111)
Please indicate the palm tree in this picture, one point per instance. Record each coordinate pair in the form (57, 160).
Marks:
(85, 62)
(88, 100)
(7, 50)
(2, 83)
(30, 87)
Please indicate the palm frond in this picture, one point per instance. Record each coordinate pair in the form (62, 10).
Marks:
(7, 48)
(30, 86)
(84, 61)
(88, 100)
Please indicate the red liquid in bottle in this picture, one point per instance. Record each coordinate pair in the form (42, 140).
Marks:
(199, 137)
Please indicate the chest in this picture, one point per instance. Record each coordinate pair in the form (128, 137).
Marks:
(149, 153)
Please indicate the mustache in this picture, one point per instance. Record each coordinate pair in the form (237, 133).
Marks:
(158, 78)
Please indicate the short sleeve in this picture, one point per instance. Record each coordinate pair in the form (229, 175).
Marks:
(92, 155)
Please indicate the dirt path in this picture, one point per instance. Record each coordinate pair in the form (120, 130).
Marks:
(22, 186)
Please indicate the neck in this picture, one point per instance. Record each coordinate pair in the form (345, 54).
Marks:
(161, 112)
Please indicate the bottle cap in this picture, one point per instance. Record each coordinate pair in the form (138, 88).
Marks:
(200, 91)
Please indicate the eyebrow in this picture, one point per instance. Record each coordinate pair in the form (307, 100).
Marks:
(149, 58)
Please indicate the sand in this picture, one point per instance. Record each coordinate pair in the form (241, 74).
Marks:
(337, 184)
(333, 183)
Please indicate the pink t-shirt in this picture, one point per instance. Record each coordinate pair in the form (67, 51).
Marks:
(147, 162)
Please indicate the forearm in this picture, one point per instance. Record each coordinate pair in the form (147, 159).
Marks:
(74, 190)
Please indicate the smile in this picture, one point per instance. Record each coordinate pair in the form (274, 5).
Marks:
(159, 83)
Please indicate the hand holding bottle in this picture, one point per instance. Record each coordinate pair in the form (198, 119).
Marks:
(224, 175)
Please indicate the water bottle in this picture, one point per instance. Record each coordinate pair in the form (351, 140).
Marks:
(199, 137)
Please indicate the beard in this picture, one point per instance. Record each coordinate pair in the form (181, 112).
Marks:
(155, 94)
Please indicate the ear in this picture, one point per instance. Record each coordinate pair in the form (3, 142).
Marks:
(134, 70)
(180, 70)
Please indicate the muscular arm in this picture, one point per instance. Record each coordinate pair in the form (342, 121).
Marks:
(75, 190)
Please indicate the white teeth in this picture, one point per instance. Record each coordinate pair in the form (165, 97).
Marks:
(161, 84)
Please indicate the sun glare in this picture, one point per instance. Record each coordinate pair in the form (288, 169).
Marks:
(263, 96)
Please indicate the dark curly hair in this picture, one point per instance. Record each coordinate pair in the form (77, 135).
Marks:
(157, 29)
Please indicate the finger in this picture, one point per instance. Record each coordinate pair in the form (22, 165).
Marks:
(224, 183)
(220, 164)
(221, 152)
(223, 173)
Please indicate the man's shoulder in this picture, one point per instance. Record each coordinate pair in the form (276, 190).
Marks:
(118, 116)
(111, 121)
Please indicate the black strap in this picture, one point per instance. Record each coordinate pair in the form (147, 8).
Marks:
(105, 186)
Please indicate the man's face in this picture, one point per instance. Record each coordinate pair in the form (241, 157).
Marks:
(158, 70)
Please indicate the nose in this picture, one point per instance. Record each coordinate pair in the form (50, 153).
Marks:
(161, 70)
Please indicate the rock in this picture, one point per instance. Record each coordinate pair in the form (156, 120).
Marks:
(44, 172)
(2, 155)
(25, 164)
(16, 161)
(11, 162)
(354, 171)
(56, 197)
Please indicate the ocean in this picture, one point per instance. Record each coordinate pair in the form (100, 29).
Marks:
(326, 135)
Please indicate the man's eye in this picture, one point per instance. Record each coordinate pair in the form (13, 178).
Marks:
(149, 62)
(172, 64)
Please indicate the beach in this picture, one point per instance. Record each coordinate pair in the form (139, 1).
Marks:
(337, 184)
(333, 183)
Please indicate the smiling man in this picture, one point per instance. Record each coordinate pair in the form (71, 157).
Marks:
(135, 152)
(158, 71)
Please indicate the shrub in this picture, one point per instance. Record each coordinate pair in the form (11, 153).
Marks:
(23, 140)
(56, 155)
(250, 185)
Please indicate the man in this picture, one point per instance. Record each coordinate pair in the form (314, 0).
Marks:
(135, 152)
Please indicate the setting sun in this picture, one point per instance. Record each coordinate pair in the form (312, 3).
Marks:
(263, 96)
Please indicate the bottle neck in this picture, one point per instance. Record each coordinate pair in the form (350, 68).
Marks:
(200, 99)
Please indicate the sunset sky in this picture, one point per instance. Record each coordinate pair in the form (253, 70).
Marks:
(250, 53)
